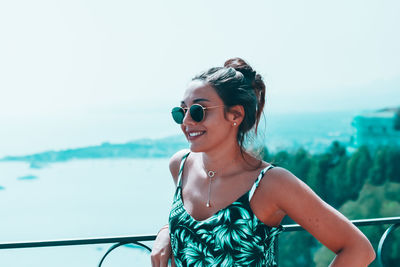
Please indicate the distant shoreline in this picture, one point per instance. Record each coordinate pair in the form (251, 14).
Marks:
(144, 148)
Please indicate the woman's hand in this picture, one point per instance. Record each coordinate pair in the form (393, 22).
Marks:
(161, 252)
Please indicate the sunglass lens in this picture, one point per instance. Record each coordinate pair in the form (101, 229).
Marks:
(178, 114)
(197, 112)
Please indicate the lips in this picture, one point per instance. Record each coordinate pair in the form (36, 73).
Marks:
(192, 135)
(195, 134)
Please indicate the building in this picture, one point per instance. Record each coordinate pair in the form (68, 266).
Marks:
(377, 128)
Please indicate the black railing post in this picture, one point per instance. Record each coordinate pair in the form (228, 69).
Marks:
(122, 244)
(382, 241)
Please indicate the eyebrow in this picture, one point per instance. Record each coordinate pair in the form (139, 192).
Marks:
(197, 101)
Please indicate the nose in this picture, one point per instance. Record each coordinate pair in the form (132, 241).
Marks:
(187, 119)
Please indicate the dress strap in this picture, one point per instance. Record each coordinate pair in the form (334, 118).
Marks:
(257, 182)
(183, 160)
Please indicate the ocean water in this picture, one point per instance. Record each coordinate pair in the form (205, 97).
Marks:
(79, 199)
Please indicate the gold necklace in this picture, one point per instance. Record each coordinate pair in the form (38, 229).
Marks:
(211, 175)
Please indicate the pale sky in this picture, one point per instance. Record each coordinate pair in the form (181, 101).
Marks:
(77, 60)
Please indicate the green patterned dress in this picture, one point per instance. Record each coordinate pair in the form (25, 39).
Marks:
(233, 236)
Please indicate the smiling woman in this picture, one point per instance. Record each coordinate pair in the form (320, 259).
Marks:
(229, 204)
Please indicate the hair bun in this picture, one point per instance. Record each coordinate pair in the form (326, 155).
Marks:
(254, 79)
(241, 66)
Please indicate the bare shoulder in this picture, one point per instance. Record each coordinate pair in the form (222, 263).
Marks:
(281, 187)
(175, 162)
(278, 179)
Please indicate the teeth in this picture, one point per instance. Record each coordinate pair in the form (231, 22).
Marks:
(195, 134)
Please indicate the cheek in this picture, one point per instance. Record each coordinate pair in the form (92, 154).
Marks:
(215, 117)
(219, 127)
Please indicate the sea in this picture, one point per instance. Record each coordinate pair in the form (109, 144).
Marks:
(118, 197)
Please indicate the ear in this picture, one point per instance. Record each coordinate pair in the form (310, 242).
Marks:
(236, 114)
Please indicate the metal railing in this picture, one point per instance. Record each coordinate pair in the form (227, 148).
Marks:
(394, 223)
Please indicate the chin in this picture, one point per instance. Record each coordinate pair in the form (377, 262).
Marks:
(195, 148)
(199, 148)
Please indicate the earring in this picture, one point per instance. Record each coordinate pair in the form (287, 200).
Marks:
(234, 124)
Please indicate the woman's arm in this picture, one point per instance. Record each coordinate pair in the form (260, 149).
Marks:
(161, 251)
(294, 198)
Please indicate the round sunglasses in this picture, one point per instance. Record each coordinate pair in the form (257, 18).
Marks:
(196, 111)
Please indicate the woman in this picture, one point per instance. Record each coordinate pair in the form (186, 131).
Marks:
(229, 204)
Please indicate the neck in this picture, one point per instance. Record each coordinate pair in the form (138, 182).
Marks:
(222, 158)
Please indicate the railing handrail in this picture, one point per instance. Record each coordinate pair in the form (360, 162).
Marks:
(77, 241)
(360, 222)
(140, 238)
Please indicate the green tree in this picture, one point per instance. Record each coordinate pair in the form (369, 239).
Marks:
(337, 152)
(393, 167)
(282, 159)
(318, 172)
(378, 173)
(337, 184)
(300, 164)
(373, 202)
(320, 179)
(357, 172)
(397, 121)
(296, 249)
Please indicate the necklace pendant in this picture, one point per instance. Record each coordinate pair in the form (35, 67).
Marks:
(208, 205)
(211, 174)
